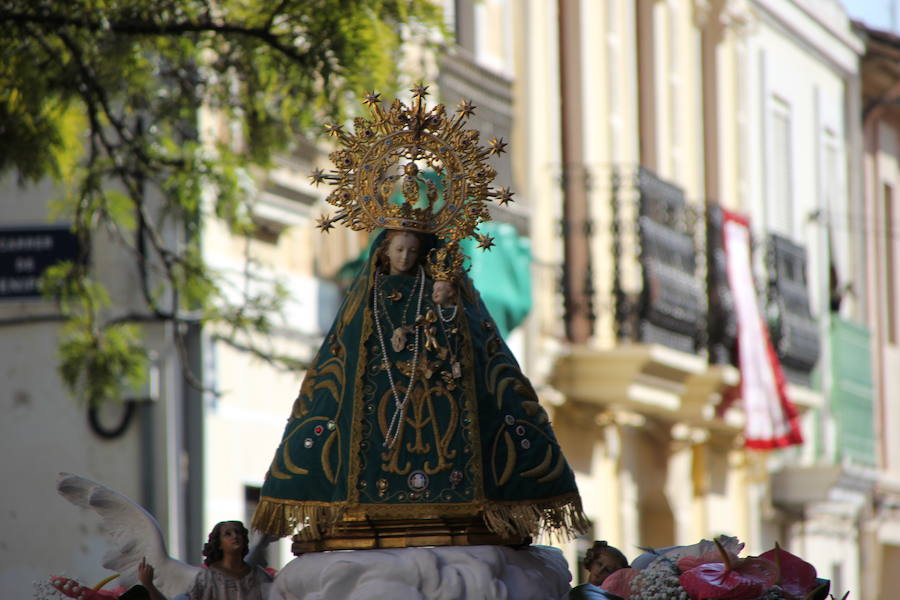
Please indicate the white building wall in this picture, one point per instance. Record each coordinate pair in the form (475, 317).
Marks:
(44, 429)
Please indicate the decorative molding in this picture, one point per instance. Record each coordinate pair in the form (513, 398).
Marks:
(647, 379)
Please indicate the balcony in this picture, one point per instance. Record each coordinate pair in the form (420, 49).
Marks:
(658, 363)
(669, 306)
(674, 328)
(794, 330)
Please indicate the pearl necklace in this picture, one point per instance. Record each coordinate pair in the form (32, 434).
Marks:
(452, 314)
(393, 431)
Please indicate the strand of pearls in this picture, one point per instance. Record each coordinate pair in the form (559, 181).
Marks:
(452, 314)
(399, 405)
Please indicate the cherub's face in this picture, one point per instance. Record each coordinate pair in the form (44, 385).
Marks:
(402, 253)
(604, 566)
(443, 292)
(231, 538)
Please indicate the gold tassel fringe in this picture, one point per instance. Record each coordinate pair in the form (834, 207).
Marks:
(559, 519)
(284, 518)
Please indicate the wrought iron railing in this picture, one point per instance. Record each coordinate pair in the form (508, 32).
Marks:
(670, 306)
(722, 326)
(794, 330)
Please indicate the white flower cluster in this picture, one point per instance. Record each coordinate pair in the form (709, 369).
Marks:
(659, 581)
(43, 590)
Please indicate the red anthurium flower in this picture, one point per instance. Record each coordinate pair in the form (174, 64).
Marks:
(73, 589)
(708, 552)
(619, 583)
(686, 563)
(796, 576)
(732, 578)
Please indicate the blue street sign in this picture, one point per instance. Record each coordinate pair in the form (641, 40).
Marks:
(26, 252)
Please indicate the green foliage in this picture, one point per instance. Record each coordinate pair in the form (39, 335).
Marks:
(96, 360)
(152, 113)
(97, 365)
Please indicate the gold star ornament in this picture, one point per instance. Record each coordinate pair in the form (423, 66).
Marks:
(497, 145)
(317, 176)
(334, 129)
(419, 90)
(325, 223)
(372, 98)
(504, 196)
(465, 108)
(485, 242)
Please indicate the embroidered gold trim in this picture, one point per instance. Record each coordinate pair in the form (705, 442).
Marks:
(556, 472)
(326, 463)
(541, 468)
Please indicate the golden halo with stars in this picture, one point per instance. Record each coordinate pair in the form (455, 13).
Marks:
(412, 168)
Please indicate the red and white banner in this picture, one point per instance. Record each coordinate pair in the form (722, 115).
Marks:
(771, 417)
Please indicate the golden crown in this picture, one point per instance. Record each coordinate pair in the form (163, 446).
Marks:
(446, 263)
(412, 168)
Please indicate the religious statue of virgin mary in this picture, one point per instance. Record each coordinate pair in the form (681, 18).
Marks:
(414, 425)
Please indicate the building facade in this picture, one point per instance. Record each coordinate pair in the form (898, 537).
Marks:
(632, 124)
(879, 224)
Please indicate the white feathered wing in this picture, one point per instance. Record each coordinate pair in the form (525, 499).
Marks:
(133, 533)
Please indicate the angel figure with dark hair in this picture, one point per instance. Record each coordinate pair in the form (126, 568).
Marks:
(226, 576)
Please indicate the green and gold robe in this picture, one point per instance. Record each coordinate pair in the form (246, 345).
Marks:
(473, 442)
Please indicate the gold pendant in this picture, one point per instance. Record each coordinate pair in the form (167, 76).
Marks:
(398, 340)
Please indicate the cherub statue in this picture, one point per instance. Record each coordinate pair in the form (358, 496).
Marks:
(601, 561)
(443, 294)
(139, 554)
(227, 576)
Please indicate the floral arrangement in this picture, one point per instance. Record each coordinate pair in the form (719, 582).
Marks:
(712, 570)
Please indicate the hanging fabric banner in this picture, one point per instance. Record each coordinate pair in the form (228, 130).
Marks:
(771, 417)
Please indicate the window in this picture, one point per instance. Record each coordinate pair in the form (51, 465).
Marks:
(781, 169)
(833, 225)
(674, 89)
(483, 27)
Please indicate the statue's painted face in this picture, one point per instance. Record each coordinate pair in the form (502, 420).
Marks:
(403, 252)
(231, 538)
(442, 292)
(604, 566)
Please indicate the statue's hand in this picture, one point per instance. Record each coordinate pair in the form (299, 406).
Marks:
(145, 573)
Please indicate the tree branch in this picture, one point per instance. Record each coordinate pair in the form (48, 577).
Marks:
(131, 27)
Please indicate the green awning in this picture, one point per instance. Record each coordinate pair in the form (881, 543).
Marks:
(502, 274)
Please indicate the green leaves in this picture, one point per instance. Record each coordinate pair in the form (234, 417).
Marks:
(151, 114)
(97, 360)
(99, 365)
